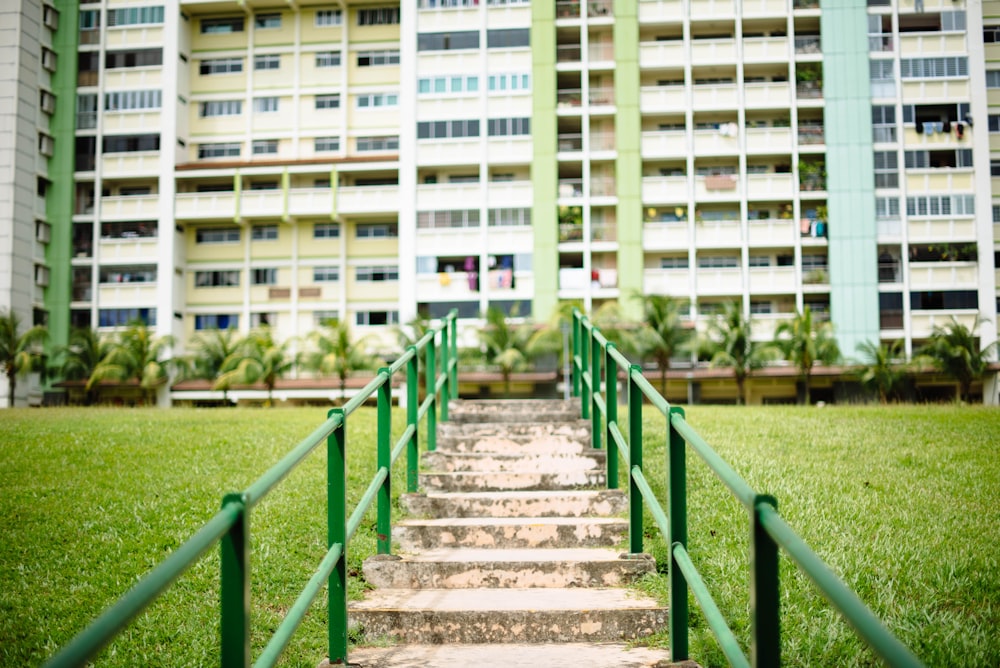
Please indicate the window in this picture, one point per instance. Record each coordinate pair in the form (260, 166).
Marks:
(378, 58)
(718, 261)
(883, 124)
(760, 260)
(222, 26)
(886, 169)
(326, 144)
(326, 231)
(128, 274)
(263, 185)
(322, 318)
(217, 321)
(264, 147)
(376, 230)
(133, 58)
(328, 101)
(996, 216)
(119, 317)
(328, 59)
(993, 122)
(217, 235)
(140, 229)
(229, 278)
(384, 143)
(760, 308)
(134, 16)
(220, 66)
(500, 127)
(812, 262)
(264, 233)
(502, 82)
(941, 205)
(369, 318)
(265, 105)
(994, 167)
(220, 108)
(271, 61)
(328, 17)
(507, 38)
(267, 276)
(676, 262)
(378, 100)
(266, 21)
(944, 300)
(993, 78)
(886, 207)
(378, 16)
(991, 34)
(919, 68)
(509, 217)
(90, 19)
(447, 41)
(128, 100)
(447, 219)
(131, 143)
(448, 84)
(222, 150)
(376, 273)
(326, 274)
(447, 129)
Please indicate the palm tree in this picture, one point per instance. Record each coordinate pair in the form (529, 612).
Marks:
(81, 355)
(506, 345)
(728, 343)
(663, 334)
(336, 353)
(19, 353)
(882, 371)
(953, 350)
(134, 354)
(259, 358)
(804, 344)
(214, 350)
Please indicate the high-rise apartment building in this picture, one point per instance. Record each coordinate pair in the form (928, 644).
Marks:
(230, 164)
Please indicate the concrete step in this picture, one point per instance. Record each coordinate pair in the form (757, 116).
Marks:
(524, 445)
(526, 428)
(507, 411)
(491, 462)
(569, 503)
(439, 616)
(509, 532)
(534, 480)
(463, 568)
(553, 655)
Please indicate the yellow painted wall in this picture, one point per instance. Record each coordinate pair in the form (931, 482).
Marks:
(218, 41)
(217, 83)
(370, 76)
(279, 248)
(212, 252)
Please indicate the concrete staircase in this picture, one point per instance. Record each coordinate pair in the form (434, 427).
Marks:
(511, 557)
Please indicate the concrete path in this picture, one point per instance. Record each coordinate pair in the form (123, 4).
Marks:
(510, 558)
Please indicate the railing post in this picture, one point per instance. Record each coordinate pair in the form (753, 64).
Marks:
(336, 532)
(576, 353)
(445, 390)
(453, 358)
(765, 604)
(234, 560)
(611, 403)
(595, 390)
(677, 515)
(412, 397)
(585, 386)
(430, 380)
(384, 438)
(635, 459)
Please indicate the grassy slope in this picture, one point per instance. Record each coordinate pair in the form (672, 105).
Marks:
(903, 503)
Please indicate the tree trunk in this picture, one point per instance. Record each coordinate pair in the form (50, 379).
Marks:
(808, 394)
(506, 382)
(11, 386)
(663, 380)
(741, 395)
(965, 385)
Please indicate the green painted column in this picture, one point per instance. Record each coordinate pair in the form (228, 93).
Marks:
(849, 163)
(544, 168)
(59, 199)
(628, 166)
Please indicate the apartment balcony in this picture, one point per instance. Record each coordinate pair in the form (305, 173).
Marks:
(941, 229)
(721, 187)
(763, 8)
(943, 275)
(602, 186)
(673, 282)
(448, 286)
(568, 9)
(713, 51)
(130, 165)
(890, 273)
(808, 45)
(580, 279)
(813, 184)
(135, 36)
(880, 44)
(661, 11)
(599, 9)
(809, 6)
(139, 78)
(602, 142)
(714, 96)
(712, 10)
(772, 280)
(951, 180)
(769, 140)
(262, 204)
(718, 234)
(205, 206)
(569, 53)
(890, 319)
(765, 49)
(653, 99)
(569, 143)
(938, 140)
(446, 19)
(513, 150)
(442, 153)
(719, 282)
(765, 325)
(664, 189)
(130, 121)
(922, 323)
(570, 189)
(601, 52)
(664, 144)
(929, 91)
(310, 201)
(773, 232)
(126, 294)
(770, 186)
(137, 207)
(714, 142)
(368, 199)
(449, 241)
(809, 92)
(654, 55)
(138, 248)
(601, 96)
(507, 194)
(666, 236)
(915, 45)
(510, 238)
(768, 95)
(811, 135)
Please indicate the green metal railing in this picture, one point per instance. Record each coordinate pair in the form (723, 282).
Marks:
(597, 364)
(230, 527)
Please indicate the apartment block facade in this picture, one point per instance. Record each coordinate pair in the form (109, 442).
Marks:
(206, 164)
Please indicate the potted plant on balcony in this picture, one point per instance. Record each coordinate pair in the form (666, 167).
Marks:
(812, 175)
(809, 79)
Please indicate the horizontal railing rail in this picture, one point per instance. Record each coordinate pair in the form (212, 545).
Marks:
(597, 365)
(230, 526)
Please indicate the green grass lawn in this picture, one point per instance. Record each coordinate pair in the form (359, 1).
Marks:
(903, 503)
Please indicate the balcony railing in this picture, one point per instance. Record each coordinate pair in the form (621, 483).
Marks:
(569, 97)
(880, 43)
(601, 51)
(569, 142)
(602, 96)
(808, 44)
(812, 183)
(602, 141)
(885, 134)
(805, 4)
(570, 187)
(890, 319)
(568, 53)
(811, 135)
(888, 272)
(809, 89)
(599, 8)
(86, 120)
(602, 186)
(568, 9)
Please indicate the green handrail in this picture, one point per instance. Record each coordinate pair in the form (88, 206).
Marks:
(597, 365)
(230, 527)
